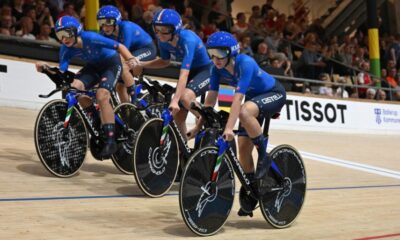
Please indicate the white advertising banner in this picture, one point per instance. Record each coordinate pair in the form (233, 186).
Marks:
(323, 114)
(20, 86)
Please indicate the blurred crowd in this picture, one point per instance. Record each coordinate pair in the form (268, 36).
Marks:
(292, 46)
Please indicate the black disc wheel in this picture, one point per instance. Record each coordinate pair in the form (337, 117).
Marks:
(61, 150)
(281, 207)
(155, 166)
(205, 205)
(128, 123)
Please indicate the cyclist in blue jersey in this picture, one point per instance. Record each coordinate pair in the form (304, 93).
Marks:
(188, 48)
(264, 96)
(103, 67)
(133, 37)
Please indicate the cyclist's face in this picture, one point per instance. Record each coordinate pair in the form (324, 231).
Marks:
(107, 29)
(163, 33)
(68, 41)
(220, 62)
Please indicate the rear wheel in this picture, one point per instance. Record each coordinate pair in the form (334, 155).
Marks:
(281, 208)
(61, 150)
(155, 167)
(205, 205)
(125, 138)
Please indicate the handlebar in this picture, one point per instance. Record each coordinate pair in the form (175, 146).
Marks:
(213, 119)
(154, 86)
(62, 80)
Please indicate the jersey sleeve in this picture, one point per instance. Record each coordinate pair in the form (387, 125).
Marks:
(214, 79)
(189, 48)
(245, 75)
(64, 58)
(104, 42)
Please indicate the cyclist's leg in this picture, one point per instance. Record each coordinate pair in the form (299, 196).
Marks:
(126, 89)
(247, 203)
(108, 79)
(198, 84)
(85, 79)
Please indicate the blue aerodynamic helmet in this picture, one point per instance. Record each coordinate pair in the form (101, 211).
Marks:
(109, 15)
(168, 17)
(222, 45)
(67, 26)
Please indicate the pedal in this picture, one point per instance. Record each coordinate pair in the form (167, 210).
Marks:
(243, 213)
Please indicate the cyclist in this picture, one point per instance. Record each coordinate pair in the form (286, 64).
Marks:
(133, 37)
(264, 96)
(187, 47)
(103, 66)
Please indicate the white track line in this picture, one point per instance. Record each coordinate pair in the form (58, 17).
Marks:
(348, 164)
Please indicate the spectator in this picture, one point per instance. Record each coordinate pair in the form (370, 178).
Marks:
(267, 7)
(146, 21)
(255, 18)
(312, 63)
(326, 87)
(261, 56)
(68, 10)
(370, 93)
(137, 11)
(43, 14)
(391, 78)
(381, 95)
(245, 46)
(6, 26)
(26, 28)
(241, 25)
(188, 14)
(44, 34)
(30, 12)
(215, 16)
(18, 9)
(364, 79)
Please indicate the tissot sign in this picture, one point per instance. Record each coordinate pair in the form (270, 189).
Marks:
(324, 114)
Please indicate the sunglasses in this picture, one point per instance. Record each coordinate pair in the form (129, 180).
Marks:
(106, 21)
(162, 30)
(219, 53)
(65, 33)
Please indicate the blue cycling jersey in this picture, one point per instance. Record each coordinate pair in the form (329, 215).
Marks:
(189, 47)
(249, 79)
(95, 49)
(132, 36)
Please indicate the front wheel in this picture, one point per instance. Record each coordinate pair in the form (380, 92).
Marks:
(61, 150)
(125, 137)
(205, 205)
(281, 208)
(155, 167)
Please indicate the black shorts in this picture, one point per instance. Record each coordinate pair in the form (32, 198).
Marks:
(105, 73)
(199, 79)
(268, 104)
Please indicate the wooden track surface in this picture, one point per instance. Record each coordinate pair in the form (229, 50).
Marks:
(344, 200)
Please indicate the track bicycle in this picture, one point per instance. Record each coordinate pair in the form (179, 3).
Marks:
(160, 149)
(207, 187)
(64, 130)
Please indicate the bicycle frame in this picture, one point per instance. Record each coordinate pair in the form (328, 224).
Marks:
(168, 120)
(225, 148)
(72, 100)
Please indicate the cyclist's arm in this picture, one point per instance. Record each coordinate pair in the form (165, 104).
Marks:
(181, 85)
(155, 63)
(235, 109)
(126, 54)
